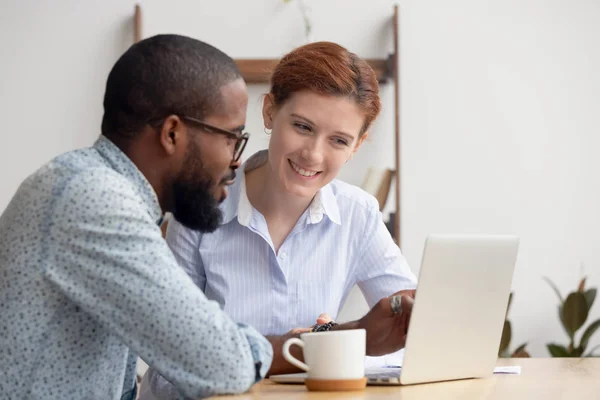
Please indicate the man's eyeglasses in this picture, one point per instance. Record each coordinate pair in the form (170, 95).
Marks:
(241, 138)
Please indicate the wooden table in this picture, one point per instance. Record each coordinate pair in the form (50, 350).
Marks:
(541, 378)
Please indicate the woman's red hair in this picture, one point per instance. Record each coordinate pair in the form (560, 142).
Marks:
(329, 69)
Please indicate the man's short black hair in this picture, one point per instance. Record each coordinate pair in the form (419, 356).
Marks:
(161, 76)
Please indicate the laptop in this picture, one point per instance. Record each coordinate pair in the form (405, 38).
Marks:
(458, 314)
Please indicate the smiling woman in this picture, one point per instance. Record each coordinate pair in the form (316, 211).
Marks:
(322, 101)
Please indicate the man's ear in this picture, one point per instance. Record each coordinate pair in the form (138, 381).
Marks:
(172, 133)
(268, 111)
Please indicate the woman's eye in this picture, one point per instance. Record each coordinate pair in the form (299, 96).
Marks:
(302, 127)
(341, 142)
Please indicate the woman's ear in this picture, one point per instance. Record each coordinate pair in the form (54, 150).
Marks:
(268, 111)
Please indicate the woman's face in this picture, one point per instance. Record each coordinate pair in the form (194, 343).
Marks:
(312, 137)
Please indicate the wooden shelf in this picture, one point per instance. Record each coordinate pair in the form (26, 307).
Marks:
(256, 70)
(259, 70)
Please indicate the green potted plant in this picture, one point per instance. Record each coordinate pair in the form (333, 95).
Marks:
(573, 313)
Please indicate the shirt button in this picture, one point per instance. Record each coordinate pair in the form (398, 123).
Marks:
(282, 256)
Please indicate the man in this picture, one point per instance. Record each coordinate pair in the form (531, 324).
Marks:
(87, 282)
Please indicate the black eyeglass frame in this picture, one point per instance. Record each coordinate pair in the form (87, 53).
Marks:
(241, 138)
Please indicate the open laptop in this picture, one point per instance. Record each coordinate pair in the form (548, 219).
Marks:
(458, 314)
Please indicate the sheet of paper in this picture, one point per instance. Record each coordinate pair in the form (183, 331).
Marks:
(511, 370)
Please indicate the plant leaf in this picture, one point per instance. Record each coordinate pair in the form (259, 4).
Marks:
(521, 347)
(560, 317)
(555, 289)
(557, 350)
(575, 312)
(590, 296)
(585, 338)
(520, 352)
(506, 335)
(577, 352)
(581, 287)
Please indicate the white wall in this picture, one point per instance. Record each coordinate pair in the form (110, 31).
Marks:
(56, 56)
(499, 112)
(501, 130)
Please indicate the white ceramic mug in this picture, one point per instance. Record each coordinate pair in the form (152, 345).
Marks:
(332, 355)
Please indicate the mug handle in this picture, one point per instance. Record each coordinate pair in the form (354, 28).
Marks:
(291, 359)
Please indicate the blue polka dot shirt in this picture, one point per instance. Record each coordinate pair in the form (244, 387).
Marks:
(87, 284)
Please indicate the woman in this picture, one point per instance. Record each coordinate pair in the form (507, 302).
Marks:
(294, 240)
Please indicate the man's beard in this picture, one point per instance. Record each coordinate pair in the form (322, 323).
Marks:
(195, 206)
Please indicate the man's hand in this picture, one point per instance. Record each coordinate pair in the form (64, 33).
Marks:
(386, 330)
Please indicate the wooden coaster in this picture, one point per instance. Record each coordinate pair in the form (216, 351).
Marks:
(330, 385)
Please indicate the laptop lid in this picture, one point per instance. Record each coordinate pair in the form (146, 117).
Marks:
(460, 306)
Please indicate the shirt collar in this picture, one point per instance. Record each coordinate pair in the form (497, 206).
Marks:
(325, 203)
(124, 166)
(237, 204)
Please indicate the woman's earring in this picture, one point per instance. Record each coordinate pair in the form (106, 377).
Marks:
(268, 131)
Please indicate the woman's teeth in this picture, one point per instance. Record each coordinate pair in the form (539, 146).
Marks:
(302, 171)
